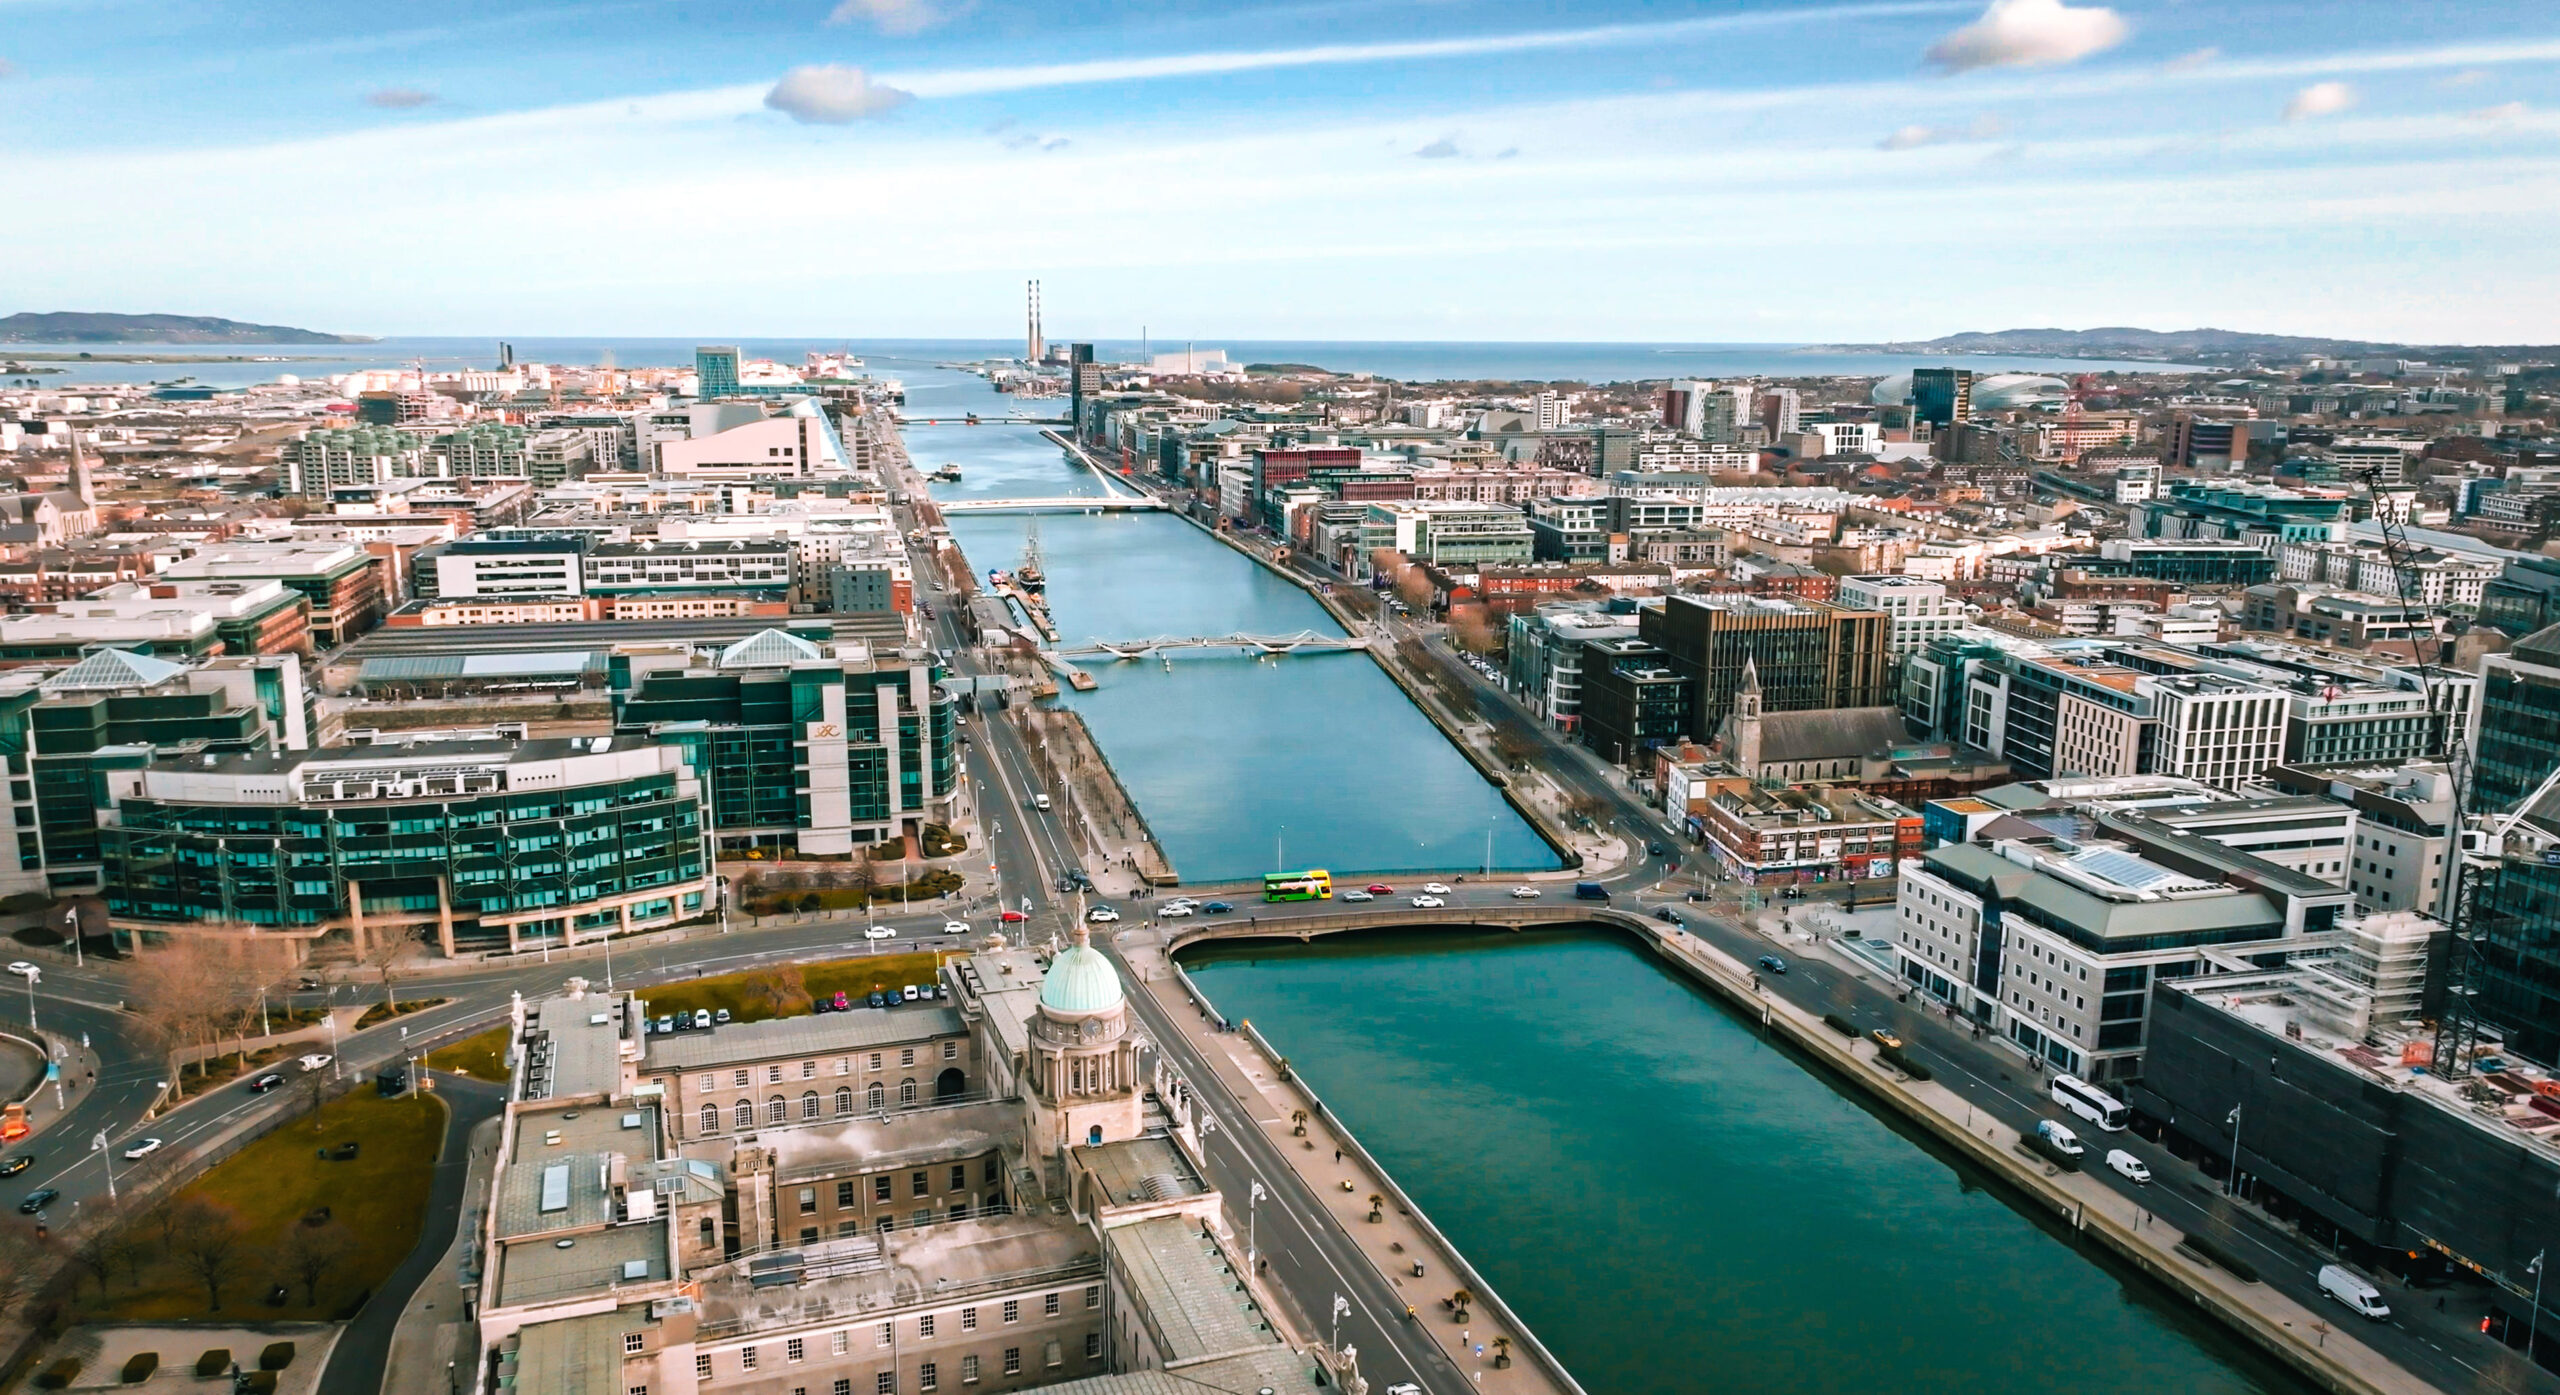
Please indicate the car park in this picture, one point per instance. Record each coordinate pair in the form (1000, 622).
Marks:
(879, 932)
(1773, 963)
(2127, 1166)
(266, 1082)
(38, 1200)
(1434, 889)
(141, 1148)
(1217, 908)
(1524, 893)
(1426, 902)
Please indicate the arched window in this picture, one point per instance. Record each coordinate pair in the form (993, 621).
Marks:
(875, 1098)
(711, 1118)
(776, 1110)
(844, 1100)
(809, 1105)
(907, 1091)
(710, 1234)
(746, 1113)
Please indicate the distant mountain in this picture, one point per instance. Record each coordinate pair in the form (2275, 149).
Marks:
(2218, 346)
(87, 327)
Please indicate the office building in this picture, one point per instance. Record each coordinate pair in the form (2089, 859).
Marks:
(2403, 834)
(342, 581)
(1942, 396)
(2517, 720)
(1632, 701)
(1547, 649)
(715, 371)
(2264, 516)
(1921, 612)
(799, 745)
(1805, 654)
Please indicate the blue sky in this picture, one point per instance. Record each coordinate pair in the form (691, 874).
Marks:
(1728, 170)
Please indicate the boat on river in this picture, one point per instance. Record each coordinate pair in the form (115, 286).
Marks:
(948, 474)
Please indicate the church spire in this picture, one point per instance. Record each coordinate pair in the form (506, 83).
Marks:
(79, 481)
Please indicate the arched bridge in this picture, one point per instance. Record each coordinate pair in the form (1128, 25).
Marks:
(1305, 641)
(1065, 503)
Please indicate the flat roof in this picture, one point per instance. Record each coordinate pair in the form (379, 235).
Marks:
(540, 1269)
(814, 1034)
(1192, 1297)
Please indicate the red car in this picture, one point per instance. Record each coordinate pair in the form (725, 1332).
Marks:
(1381, 889)
(1013, 917)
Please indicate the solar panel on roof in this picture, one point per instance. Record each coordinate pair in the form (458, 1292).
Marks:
(2127, 870)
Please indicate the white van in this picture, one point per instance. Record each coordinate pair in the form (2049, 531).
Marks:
(2064, 1141)
(1040, 801)
(2343, 1284)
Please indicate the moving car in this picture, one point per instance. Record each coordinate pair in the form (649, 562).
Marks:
(1101, 915)
(1355, 894)
(1773, 963)
(2337, 1281)
(266, 1082)
(1176, 911)
(1040, 801)
(2127, 1166)
(1434, 889)
(1012, 918)
(1427, 902)
(142, 1148)
(879, 932)
(1217, 908)
(1668, 915)
(1658, 848)
(1524, 893)
(955, 927)
(37, 1200)
(1381, 889)
(313, 1062)
(1886, 1039)
(22, 968)
(18, 1164)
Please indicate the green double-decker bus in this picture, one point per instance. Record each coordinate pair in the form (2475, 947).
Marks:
(1297, 886)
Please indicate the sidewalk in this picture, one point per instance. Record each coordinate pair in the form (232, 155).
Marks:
(1332, 1168)
(2088, 1205)
(433, 1350)
(47, 1102)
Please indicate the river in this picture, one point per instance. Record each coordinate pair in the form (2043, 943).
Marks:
(1241, 765)
(1673, 1204)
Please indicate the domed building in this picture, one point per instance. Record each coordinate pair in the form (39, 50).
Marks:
(1080, 1071)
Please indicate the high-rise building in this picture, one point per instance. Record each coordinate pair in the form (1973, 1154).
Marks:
(1084, 380)
(1942, 396)
(715, 370)
(321, 460)
(1808, 654)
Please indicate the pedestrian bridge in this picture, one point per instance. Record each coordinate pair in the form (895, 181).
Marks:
(1305, 641)
(1069, 503)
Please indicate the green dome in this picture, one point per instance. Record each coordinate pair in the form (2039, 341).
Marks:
(1080, 981)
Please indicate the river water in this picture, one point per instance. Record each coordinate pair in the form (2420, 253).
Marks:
(1241, 765)
(1675, 1205)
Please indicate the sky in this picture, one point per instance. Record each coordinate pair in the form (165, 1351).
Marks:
(1636, 170)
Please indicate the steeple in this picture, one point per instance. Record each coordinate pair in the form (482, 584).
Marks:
(1746, 699)
(1744, 723)
(79, 481)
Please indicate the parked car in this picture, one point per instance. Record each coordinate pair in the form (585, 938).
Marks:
(2337, 1281)
(1886, 1039)
(723, 1014)
(1773, 963)
(1177, 910)
(665, 1025)
(266, 1082)
(37, 1200)
(18, 1164)
(955, 928)
(2127, 1166)
(913, 993)
(1427, 902)
(1217, 908)
(1524, 893)
(1434, 889)
(879, 932)
(878, 1000)
(141, 1148)
(313, 1062)
(1101, 915)
(839, 1003)
(822, 1005)
(702, 1019)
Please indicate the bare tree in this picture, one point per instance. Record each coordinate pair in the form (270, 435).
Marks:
(383, 955)
(310, 1252)
(209, 1237)
(95, 1256)
(864, 875)
(21, 1260)
(194, 990)
(1471, 629)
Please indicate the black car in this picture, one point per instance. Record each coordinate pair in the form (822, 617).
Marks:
(875, 1001)
(1773, 963)
(1217, 908)
(1658, 849)
(266, 1082)
(37, 1201)
(18, 1164)
(1668, 915)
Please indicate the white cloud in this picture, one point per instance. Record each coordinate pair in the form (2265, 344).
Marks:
(399, 98)
(1985, 127)
(2501, 113)
(2319, 99)
(831, 94)
(2029, 33)
(891, 16)
(2467, 77)
(1445, 148)
(7, 70)
(2190, 61)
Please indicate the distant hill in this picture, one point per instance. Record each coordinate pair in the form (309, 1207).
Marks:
(89, 327)
(2219, 346)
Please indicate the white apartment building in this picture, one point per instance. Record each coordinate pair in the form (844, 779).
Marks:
(2215, 730)
(1920, 609)
(2447, 580)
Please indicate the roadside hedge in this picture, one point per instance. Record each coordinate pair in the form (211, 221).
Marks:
(139, 1366)
(276, 1357)
(1896, 1059)
(214, 1362)
(2222, 1258)
(1840, 1024)
(59, 1375)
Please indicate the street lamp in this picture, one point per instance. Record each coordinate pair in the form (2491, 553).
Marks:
(71, 918)
(2232, 1178)
(1341, 1305)
(1252, 1216)
(32, 975)
(2533, 1324)
(107, 1156)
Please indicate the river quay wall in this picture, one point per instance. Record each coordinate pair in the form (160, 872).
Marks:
(2328, 1357)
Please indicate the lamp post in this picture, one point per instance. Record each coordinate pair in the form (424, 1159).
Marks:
(71, 918)
(1341, 1305)
(2232, 1180)
(32, 975)
(1252, 1218)
(2533, 1324)
(106, 1156)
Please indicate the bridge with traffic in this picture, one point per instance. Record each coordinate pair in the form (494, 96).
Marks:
(1065, 503)
(1303, 642)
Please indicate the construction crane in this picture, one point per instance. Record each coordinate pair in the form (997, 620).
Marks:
(2476, 853)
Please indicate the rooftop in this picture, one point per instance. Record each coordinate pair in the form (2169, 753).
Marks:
(1188, 1292)
(862, 1274)
(814, 1034)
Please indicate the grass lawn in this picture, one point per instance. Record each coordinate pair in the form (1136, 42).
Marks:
(377, 1202)
(854, 977)
(384, 1012)
(482, 1056)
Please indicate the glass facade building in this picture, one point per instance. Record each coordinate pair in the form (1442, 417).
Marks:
(2516, 916)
